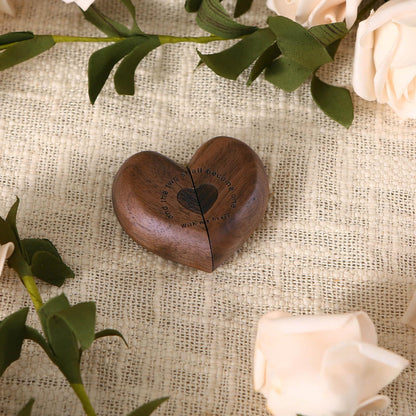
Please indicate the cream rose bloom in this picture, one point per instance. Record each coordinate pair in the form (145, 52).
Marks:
(316, 12)
(84, 4)
(6, 251)
(6, 6)
(328, 365)
(385, 57)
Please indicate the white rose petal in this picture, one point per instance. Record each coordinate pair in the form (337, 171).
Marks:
(316, 12)
(7, 7)
(322, 365)
(6, 251)
(385, 57)
(84, 4)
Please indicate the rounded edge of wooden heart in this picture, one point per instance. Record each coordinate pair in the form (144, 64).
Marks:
(148, 230)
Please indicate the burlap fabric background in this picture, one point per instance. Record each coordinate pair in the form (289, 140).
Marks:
(339, 234)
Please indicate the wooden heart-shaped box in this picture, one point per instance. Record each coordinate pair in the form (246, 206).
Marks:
(198, 215)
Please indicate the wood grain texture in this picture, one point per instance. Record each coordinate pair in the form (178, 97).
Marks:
(199, 215)
(145, 201)
(243, 192)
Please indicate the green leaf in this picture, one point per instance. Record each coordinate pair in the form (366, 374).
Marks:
(45, 262)
(124, 76)
(61, 338)
(33, 245)
(80, 319)
(213, 18)
(8, 233)
(110, 333)
(66, 329)
(16, 261)
(148, 408)
(242, 7)
(51, 307)
(335, 102)
(12, 335)
(132, 10)
(329, 33)
(12, 37)
(27, 409)
(65, 348)
(108, 26)
(49, 268)
(192, 6)
(130, 7)
(233, 61)
(25, 50)
(333, 48)
(102, 62)
(287, 74)
(35, 336)
(11, 219)
(33, 256)
(265, 60)
(297, 44)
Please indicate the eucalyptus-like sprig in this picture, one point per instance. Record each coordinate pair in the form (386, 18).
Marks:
(284, 50)
(68, 330)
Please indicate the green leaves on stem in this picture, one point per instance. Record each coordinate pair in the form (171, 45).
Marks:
(289, 54)
(68, 330)
(233, 61)
(134, 46)
(33, 257)
(22, 46)
(133, 49)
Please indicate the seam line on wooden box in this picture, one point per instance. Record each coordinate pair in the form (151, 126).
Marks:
(203, 217)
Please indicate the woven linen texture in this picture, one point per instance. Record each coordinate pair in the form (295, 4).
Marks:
(339, 234)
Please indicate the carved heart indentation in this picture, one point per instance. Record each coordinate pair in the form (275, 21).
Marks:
(199, 199)
(197, 216)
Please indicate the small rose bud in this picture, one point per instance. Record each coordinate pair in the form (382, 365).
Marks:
(6, 251)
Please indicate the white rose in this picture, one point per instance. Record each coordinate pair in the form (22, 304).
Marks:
(84, 4)
(385, 57)
(6, 7)
(316, 12)
(6, 251)
(328, 365)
